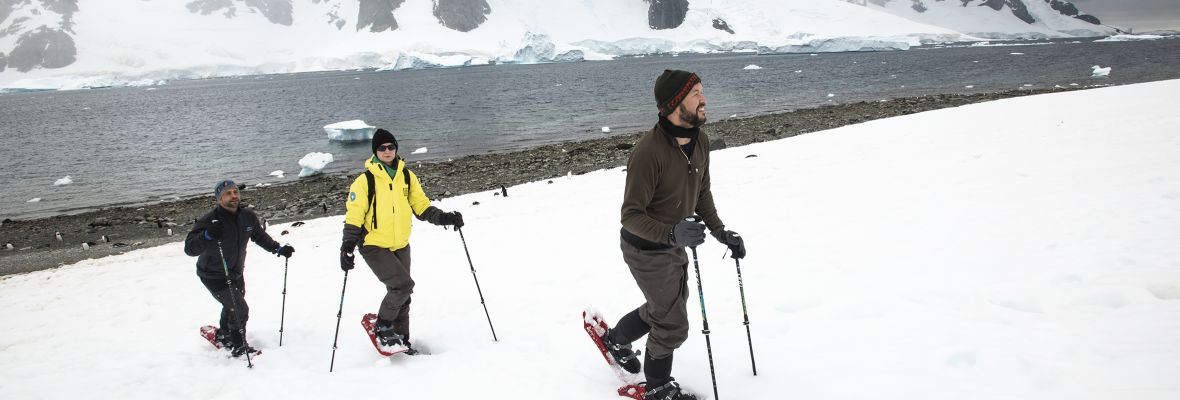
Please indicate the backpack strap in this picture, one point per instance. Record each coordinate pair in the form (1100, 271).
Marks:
(372, 199)
(372, 188)
(406, 175)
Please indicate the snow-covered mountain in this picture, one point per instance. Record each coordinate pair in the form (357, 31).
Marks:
(87, 43)
(997, 19)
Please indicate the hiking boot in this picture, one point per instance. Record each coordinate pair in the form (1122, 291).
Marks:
(668, 391)
(410, 350)
(242, 349)
(224, 338)
(389, 340)
(622, 353)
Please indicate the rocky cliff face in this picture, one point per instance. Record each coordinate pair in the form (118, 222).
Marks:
(275, 11)
(49, 45)
(666, 14)
(461, 15)
(377, 15)
(1018, 8)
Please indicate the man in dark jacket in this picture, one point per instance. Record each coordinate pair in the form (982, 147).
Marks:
(218, 240)
(667, 182)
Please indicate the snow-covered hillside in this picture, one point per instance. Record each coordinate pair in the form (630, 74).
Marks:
(943, 255)
(997, 19)
(94, 43)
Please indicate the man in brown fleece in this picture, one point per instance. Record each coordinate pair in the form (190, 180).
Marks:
(667, 184)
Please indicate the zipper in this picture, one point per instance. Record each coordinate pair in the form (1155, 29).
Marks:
(686, 157)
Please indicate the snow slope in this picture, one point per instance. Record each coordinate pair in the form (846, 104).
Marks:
(978, 19)
(1023, 248)
(135, 42)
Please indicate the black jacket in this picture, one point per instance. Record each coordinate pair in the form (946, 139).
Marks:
(237, 230)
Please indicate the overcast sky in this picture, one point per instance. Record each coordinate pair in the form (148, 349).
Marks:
(1140, 15)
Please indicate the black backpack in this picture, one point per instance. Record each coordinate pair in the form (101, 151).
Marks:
(373, 187)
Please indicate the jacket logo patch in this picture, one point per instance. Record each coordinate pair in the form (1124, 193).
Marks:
(351, 196)
(249, 229)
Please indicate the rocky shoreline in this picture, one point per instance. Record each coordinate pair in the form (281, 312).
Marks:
(35, 245)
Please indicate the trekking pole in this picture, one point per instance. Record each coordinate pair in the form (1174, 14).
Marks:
(481, 301)
(745, 315)
(233, 298)
(705, 320)
(338, 314)
(283, 312)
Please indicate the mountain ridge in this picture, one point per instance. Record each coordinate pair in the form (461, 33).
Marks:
(50, 39)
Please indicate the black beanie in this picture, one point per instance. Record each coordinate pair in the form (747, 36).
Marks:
(382, 137)
(672, 87)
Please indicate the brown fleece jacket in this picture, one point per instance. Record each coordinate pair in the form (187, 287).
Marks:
(664, 186)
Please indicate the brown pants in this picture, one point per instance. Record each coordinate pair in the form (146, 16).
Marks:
(393, 269)
(662, 276)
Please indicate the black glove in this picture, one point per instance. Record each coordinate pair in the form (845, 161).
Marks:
(688, 233)
(451, 218)
(347, 259)
(213, 230)
(733, 240)
(285, 251)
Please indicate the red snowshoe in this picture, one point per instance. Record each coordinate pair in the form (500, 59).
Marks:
(368, 322)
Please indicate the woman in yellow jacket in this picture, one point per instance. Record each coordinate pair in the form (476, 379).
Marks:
(380, 202)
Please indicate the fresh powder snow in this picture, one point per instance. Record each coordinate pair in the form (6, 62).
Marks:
(1023, 248)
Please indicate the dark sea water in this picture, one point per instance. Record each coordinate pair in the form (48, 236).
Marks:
(131, 145)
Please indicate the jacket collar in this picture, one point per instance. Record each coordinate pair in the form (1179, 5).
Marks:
(378, 168)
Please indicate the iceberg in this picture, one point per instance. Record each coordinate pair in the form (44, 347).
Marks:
(752, 67)
(313, 163)
(64, 181)
(277, 173)
(420, 150)
(1098, 72)
(350, 131)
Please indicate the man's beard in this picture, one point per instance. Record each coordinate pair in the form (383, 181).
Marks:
(694, 119)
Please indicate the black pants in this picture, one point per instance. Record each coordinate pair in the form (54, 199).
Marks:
(228, 325)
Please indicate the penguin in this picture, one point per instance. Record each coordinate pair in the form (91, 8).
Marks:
(105, 239)
(58, 235)
(324, 206)
(169, 231)
(504, 190)
(8, 246)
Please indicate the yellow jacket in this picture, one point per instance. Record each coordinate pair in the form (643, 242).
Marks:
(394, 203)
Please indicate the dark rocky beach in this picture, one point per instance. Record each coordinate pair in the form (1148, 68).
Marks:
(130, 227)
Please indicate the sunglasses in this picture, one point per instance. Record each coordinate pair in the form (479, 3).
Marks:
(386, 147)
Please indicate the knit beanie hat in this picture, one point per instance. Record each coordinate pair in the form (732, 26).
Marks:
(672, 87)
(222, 186)
(382, 137)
